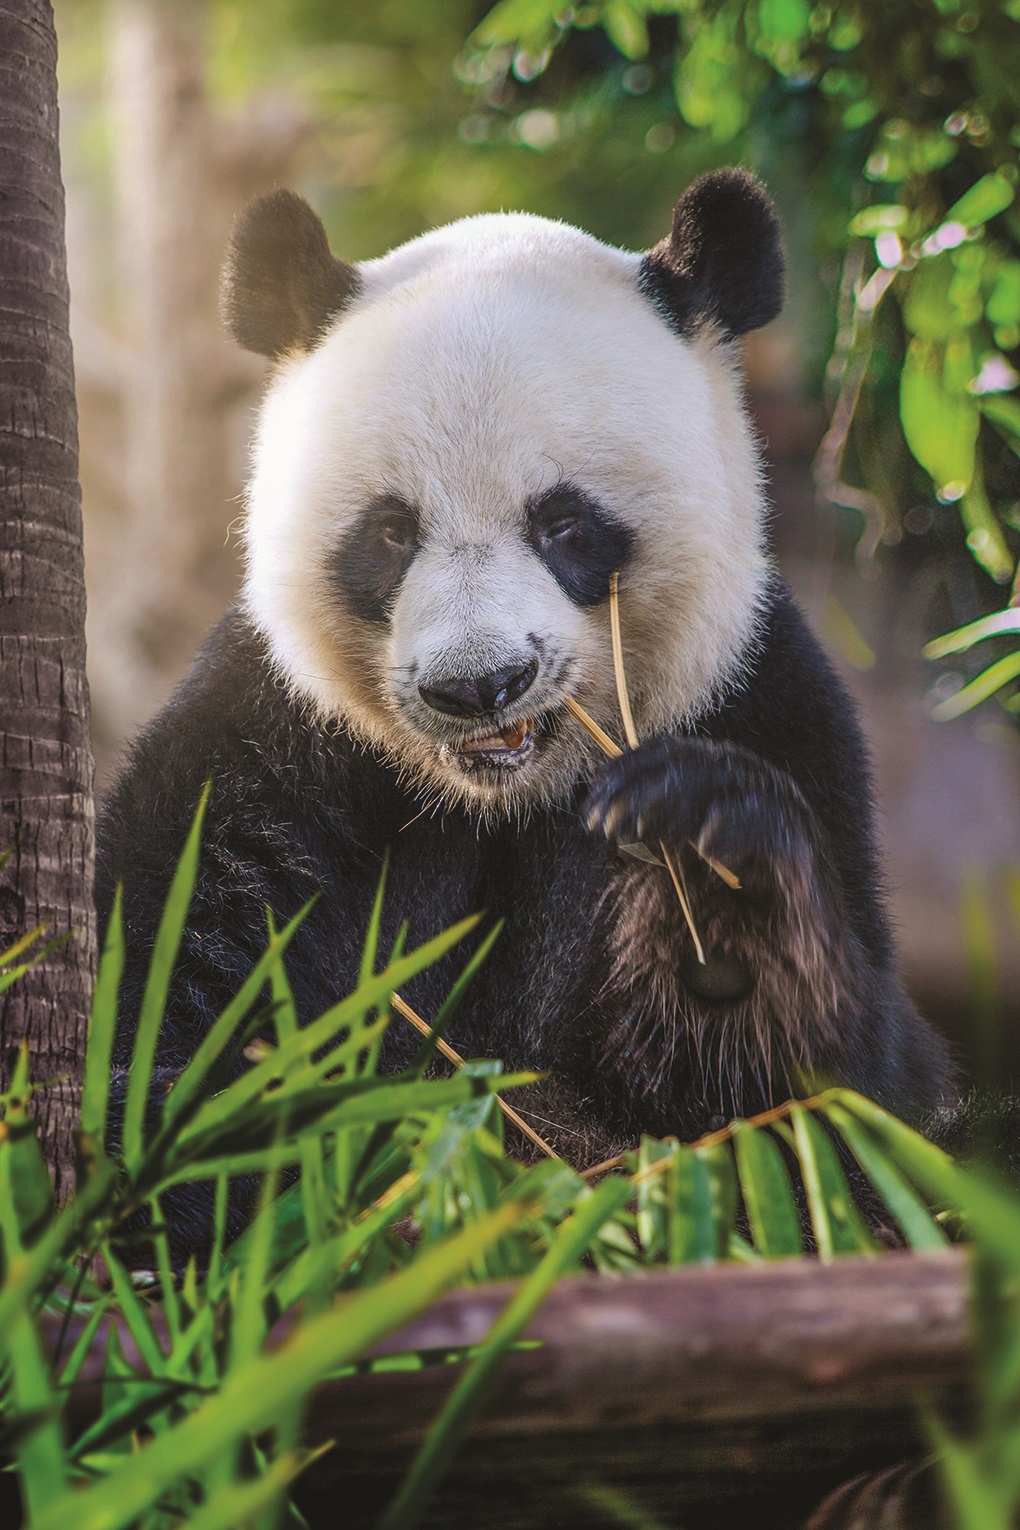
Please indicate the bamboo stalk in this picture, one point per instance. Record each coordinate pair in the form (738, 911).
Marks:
(590, 726)
(629, 729)
(403, 1008)
(630, 733)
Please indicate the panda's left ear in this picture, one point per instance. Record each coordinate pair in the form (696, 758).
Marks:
(280, 285)
(723, 260)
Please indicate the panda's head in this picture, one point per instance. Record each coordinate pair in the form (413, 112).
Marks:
(463, 440)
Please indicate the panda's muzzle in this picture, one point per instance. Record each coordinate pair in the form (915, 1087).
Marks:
(480, 695)
(485, 696)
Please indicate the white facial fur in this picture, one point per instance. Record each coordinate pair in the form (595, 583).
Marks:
(479, 366)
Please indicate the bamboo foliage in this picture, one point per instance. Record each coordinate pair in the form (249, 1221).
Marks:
(223, 1410)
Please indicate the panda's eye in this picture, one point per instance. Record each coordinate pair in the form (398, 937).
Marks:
(397, 534)
(557, 516)
(580, 542)
(396, 526)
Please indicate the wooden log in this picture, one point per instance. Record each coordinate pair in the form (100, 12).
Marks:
(709, 1397)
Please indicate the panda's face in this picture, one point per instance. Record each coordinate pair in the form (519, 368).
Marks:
(446, 481)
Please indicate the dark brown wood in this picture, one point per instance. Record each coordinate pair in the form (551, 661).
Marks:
(709, 1397)
(46, 808)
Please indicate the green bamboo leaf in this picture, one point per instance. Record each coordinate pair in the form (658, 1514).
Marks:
(911, 1215)
(11, 975)
(1004, 412)
(138, 1405)
(28, 1277)
(691, 1228)
(626, 29)
(249, 1312)
(985, 538)
(333, 1256)
(370, 949)
(652, 1218)
(992, 1212)
(940, 428)
(150, 1015)
(837, 1227)
(518, 21)
(988, 197)
(880, 218)
(452, 1002)
(135, 1314)
(10, 953)
(765, 1186)
(333, 1107)
(977, 1501)
(26, 1189)
(83, 1344)
(315, 1196)
(986, 684)
(187, 1088)
(102, 1026)
(344, 1016)
(26, 1200)
(237, 1503)
(467, 1397)
(252, 1397)
(722, 1175)
(962, 638)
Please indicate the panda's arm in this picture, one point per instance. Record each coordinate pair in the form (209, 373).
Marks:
(799, 976)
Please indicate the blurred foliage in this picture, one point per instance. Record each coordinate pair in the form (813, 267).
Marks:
(908, 112)
(888, 134)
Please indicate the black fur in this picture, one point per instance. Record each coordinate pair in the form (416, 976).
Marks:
(374, 556)
(594, 975)
(281, 285)
(579, 541)
(723, 260)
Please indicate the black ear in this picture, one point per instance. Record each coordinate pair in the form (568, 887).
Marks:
(723, 260)
(281, 285)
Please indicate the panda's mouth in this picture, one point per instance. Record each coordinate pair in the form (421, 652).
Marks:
(506, 749)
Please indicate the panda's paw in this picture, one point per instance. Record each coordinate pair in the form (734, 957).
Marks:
(723, 799)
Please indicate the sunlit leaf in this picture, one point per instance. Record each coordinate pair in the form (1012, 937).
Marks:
(838, 1228)
(991, 195)
(626, 29)
(157, 986)
(980, 689)
(940, 428)
(996, 625)
(765, 1187)
(882, 217)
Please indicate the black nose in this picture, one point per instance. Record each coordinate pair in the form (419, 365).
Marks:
(472, 696)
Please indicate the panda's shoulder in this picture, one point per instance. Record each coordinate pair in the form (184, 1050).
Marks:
(233, 722)
(789, 703)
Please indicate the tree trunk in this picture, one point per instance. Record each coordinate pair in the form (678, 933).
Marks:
(46, 808)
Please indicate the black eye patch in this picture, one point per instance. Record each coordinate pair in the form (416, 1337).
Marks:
(579, 542)
(368, 565)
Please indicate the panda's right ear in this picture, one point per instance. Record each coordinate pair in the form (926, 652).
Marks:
(281, 286)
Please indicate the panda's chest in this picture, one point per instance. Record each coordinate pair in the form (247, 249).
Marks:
(545, 887)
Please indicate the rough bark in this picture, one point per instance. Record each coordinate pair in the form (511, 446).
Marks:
(46, 809)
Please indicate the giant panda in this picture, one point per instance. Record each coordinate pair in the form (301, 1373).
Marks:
(460, 444)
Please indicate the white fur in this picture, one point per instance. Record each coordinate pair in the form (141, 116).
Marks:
(480, 365)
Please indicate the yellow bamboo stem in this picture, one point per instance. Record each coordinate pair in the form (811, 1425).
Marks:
(403, 1008)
